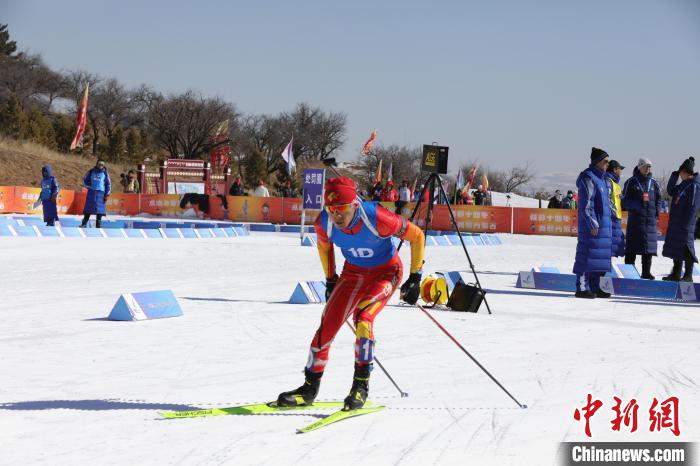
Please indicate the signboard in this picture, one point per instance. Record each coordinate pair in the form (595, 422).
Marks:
(183, 187)
(186, 164)
(435, 159)
(146, 305)
(314, 178)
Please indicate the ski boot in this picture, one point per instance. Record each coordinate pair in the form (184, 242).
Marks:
(304, 395)
(601, 294)
(360, 387)
(675, 272)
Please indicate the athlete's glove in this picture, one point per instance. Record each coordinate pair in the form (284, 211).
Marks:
(330, 284)
(411, 288)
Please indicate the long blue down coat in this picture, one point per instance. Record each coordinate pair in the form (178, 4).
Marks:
(618, 238)
(681, 221)
(99, 185)
(49, 189)
(642, 217)
(593, 252)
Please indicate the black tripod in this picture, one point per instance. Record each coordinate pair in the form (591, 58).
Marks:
(433, 180)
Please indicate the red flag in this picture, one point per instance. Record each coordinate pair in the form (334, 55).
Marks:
(81, 121)
(472, 174)
(378, 176)
(370, 142)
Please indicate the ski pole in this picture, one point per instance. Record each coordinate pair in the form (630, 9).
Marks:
(470, 356)
(403, 394)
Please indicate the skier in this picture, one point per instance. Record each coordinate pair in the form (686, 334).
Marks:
(372, 270)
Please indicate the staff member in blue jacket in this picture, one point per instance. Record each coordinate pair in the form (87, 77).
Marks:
(99, 188)
(594, 247)
(49, 195)
(680, 238)
(641, 198)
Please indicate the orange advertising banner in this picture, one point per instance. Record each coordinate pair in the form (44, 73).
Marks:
(7, 198)
(255, 209)
(26, 198)
(555, 222)
(292, 207)
(469, 218)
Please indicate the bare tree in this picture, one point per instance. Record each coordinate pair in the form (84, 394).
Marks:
(112, 106)
(517, 177)
(22, 76)
(183, 123)
(405, 161)
(505, 181)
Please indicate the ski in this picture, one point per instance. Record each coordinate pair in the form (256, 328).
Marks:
(261, 408)
(338, 416)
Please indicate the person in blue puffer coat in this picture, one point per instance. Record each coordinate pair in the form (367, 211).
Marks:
(49, 195)
(680, 237)
(641, 198)
(594, 247)
(612, 179)
(99, 187)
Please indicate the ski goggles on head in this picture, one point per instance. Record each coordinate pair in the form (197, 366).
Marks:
(340, 208)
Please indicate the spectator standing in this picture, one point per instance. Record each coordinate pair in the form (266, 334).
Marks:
(130, 184)
(99, 188)
(416, 193)
(479, 196)
(569, 202)
(641, 198)
(390, 194)
(288, 190)
(261, 190)
(404, 197)
(680, 238)
(49, 195)
(236, 188)
(377, 191)
(612, 178)
(593, 250)
(555, 201)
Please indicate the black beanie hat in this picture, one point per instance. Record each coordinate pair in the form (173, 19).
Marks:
(597, 155)
(688, 165)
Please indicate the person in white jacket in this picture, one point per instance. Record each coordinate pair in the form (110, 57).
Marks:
(261, 190)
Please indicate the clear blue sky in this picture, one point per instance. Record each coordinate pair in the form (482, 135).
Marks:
(498, 81)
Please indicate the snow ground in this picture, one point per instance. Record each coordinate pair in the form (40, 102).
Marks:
(79, 389)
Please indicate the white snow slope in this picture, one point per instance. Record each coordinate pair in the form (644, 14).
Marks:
(79, 389)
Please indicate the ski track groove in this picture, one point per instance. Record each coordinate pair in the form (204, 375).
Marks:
(410, 448)
(224, 451)
(673, 378)
(686, 377)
